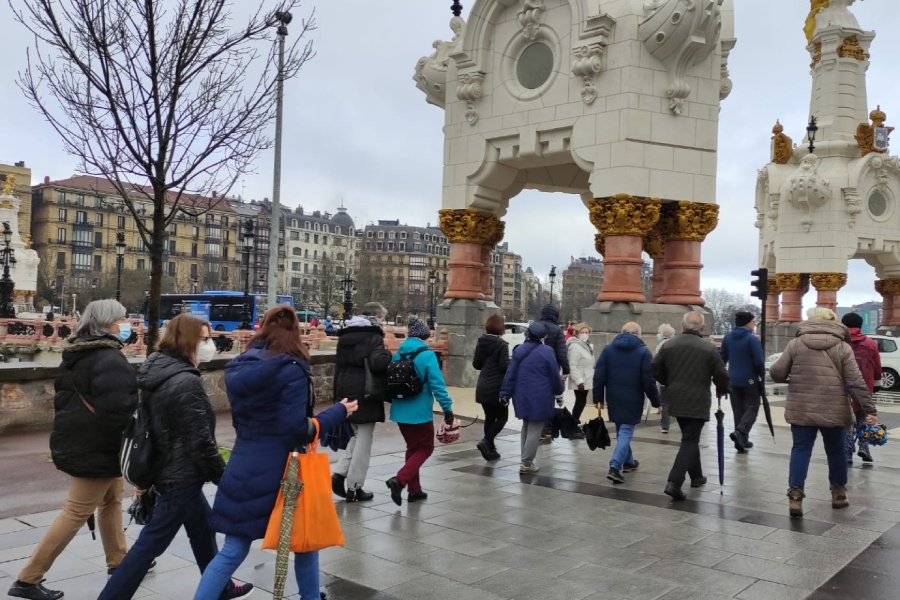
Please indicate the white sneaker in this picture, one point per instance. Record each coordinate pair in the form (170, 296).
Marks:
(532, 468)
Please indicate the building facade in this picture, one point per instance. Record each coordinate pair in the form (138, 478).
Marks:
(582, 281)
(507, 282)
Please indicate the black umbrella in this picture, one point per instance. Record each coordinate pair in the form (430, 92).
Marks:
(720, 439)
(767, 410)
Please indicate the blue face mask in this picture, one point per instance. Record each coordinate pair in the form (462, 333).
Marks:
(124, 332)
(659, 337)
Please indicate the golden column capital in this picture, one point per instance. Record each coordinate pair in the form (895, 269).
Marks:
(772, 288)
(471, 226)
(600, 244)
(828, 282)
(792, 282)
(688, 221)
(879, 286)
(891, 287)
(624, 214)
(654, 244)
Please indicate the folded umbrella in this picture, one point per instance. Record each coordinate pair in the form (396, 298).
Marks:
(720, 439)
(767, 410)
(291, 487)
(596, 434)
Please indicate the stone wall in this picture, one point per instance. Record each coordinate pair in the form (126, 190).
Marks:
(26, 389)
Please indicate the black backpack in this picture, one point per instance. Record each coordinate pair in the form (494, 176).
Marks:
(139, 456)
(402, 379)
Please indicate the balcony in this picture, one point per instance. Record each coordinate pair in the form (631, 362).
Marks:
(212, 257)
(81, 246)
(83, 226)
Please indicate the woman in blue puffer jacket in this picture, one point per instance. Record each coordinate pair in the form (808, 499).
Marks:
(269, 390)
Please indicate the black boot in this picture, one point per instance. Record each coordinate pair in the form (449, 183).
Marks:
(485, 448)
(337, 485)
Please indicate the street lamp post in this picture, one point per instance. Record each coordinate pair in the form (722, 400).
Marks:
(349, 287)
(432, 279)
(248, 247)
(552, 281)
(284, 19)
(811, 130)
(7, 285)
(120, 261)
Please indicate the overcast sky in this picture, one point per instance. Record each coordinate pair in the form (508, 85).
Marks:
(356, 128)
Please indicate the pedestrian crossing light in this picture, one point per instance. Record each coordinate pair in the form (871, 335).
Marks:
(760, 284)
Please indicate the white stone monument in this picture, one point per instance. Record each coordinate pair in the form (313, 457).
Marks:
(24, 271)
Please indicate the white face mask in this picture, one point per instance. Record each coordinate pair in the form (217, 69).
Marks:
(206, 351)
(584, 337)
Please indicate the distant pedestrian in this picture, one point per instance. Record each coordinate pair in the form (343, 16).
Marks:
(360, 348)
(492, 359)
(532, 381)
(622, 379)
(820, 370)
(329, 326)
(865, 350)
(742, 352)
(414, 415)
(96, 393)
(685, 365)
(663, 334)
(570, 330)
(581, 367)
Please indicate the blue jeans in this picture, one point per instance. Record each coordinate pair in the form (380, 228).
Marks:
(233, 553)
(622, 455)
(804, 439)
(175, 507)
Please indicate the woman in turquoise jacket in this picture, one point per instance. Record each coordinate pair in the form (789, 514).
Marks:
(414, 415)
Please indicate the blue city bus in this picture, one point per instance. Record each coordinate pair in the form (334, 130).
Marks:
(224, 309)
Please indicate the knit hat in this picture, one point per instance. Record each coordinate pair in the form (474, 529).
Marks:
(742, 318)
(419, 329)
(852, 320)
(536, 331)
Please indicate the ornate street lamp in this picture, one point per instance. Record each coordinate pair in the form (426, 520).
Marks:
(811, 130)
(349, 287)
(7, 285)
(248, 239)
(120, 261)
(552, 281)
(432, 279)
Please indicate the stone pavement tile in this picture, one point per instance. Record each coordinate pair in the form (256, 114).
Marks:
(333, 554)
(174, 583)
(414, 510)
(532, 585)
(465, 543)
(688, 592)
(537, 562)
(815, 543)
(458, 567)
(772, 591)
(388, 547)
(767, 570)
(677, 532)
(839, 517)
(815, 560)
(372, 571)
(780, 507)
(433, 587)
(853, 534)
(747, 547)
(546, 541)
(726, 584)
(535, 519)
(485, 505)
(43, 519)
(16, 552)
(746, 530)
(653, 512)
(341, 589)
(599, 512)
(468, 523)
(67, 565)
(10, 525)
(608, 557)
(403, 527)
(668, 548)
(23, 537)
(622, 584)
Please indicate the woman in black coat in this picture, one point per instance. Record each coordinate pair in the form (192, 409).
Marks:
(492, 359)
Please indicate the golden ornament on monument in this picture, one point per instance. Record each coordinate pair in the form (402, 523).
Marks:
(850, 48)
(828, 282)
(891, 287)
(470, 226)
(600, 244)
(624, 214)
(688, 221)
(9, 185)
(654, 245)
(809, 28)
(782, 145)
(792, 282)
(772, 287)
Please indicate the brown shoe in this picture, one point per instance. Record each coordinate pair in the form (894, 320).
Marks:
(795, 504)
(839, 497)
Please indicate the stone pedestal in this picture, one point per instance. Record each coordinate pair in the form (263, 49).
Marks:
(778, 335)
(464, 322)
(606, 320)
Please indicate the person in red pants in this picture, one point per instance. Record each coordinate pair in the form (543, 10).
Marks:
(414, 414)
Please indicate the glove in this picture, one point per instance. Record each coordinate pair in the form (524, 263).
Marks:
(448, 417)
(504, 400)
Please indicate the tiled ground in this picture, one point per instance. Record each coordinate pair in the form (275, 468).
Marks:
(488, 533)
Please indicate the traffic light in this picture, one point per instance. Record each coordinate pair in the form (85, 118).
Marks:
(761, 284)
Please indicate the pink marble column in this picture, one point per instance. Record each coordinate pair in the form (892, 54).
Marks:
(622, 265)
(466, 272)
(793, 287)
(681, 273)
(486, 291)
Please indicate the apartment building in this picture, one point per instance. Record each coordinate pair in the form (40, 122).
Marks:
(507, 283)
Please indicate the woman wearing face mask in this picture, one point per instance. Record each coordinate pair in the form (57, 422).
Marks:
(581, 367)
(96, 393)
(183, 416)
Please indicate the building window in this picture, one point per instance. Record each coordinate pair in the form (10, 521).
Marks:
(316, 255)
(141, 264)
(225, 252)
(120, 223)
(224, 221)
(380, 235)
(337, 230)
(195, 232)
(370, 234)
(295, 236)
(98, 239)
(390, 247)
(402, 246)
(61, 235)
(81, 262)
(316, 226)
(171, 269)
(98, 265)
(224, 273)
(63, 214)
(391, 235)
(294, 223)
(140, 245)
(324, 240)
(193, 250)
(213, 249)
(306, 225)
(213, 232)
(172, 229)
(79, 199)
(83, 238)
(315, 239)
(60, 260)
(81, 216)
(296, 266)
(306, 237)
(98, 219)
(416, 235)
(61, 197)
(297, 251)
(417, 247)
(379, 246)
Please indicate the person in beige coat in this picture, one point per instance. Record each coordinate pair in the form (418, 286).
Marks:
(821, 372)
(581, 367)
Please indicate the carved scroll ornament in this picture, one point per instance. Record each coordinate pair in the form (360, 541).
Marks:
(828, 282)
(471, 226)
(469, 90)
(587, 64)
(431, 71)
(624, 214)
(850, 48)
(688, 221)
(530, 18)
(891, 287)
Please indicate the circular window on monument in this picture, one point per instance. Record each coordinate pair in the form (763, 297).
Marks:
(878, 204)
(535, 66)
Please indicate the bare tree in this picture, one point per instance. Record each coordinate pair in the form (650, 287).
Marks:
(724, 304)
(156, 97)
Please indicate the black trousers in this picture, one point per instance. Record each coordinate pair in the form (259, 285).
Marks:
(687, 461)
(495, 418)
(745, 400)
(580, 403)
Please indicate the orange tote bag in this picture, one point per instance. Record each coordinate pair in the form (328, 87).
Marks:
(315, 525)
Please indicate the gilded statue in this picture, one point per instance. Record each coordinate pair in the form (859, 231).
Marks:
(688, 221)
(10, 185)
(828, 282)
(782, 145)
(816, 6)
(624, 214)
(865, 133)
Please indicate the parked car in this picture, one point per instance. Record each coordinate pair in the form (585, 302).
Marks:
(514, 334)
(770, 360)
(890, 361)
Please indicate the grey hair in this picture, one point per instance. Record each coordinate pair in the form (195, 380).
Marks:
(632, 328)
(97, 316)
(373, 309)
(666, 330)
(693, 321)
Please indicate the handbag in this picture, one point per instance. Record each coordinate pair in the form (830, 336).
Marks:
(314, 524)
(141, 509)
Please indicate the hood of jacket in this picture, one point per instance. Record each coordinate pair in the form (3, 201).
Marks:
(159, 368)
(360, 321)
(256, 370)
(740, 333)
(74, 349)
(822, 335)
(491, 342)
(550, 313)
(856, 335)
(627, 342)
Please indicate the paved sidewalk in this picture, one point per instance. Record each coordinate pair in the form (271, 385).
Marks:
(488, 533)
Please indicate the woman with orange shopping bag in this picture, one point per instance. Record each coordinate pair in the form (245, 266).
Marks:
(269, 390)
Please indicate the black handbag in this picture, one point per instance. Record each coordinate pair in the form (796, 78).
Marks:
(141, 509)
(596, 434)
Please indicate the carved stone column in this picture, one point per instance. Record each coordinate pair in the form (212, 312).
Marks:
(486, 265)
(773, 306)
(793, 286)
(827, 286)
(887, 303)
(655, 248)
(622, 221)
(892, 297)
(684, 226)
(468, 231)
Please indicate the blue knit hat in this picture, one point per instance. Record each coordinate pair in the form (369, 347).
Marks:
(419, 329)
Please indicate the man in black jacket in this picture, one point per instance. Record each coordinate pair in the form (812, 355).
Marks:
(360, 374)
(685, 365)
(556, 339)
